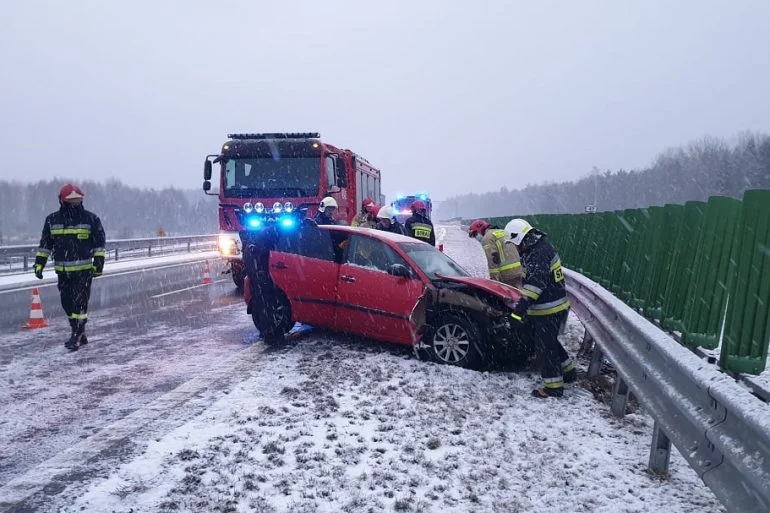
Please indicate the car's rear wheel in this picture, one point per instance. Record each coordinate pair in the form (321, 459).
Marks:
(455, 340)
(274, 320)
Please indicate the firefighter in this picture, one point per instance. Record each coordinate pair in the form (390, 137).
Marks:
(502, 259)
(418, 226)
(367, 218)
(76, 239)
(386, 221)
(326, 211)
(545, 305)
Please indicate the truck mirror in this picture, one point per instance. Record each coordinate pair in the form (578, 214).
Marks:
(206, 186)
(340, 168)
(207, 172)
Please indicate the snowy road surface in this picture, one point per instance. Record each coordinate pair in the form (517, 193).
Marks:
(179, 408)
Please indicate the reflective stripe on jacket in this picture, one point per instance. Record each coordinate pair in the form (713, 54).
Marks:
(544, 285)
(502, 259)
(74, 238)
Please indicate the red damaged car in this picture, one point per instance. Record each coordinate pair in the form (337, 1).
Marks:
(386, 287)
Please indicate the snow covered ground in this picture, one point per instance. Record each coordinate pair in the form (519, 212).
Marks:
(337, 425)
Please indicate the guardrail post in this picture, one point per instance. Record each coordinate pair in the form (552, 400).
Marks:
(619, 397)
(188, 246)
(26, 263)
(149, 249)
(660, 451)
(597, 358)
(586, 344)
(116, 253)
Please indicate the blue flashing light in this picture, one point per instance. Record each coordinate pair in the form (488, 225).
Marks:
(255, 222)
(423, 196)
(288, 222)
(400, 197)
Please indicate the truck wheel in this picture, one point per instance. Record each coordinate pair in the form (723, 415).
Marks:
(239, 275)
(455, 340)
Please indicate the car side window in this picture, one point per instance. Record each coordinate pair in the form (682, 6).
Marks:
(308, 241)
(372, 254)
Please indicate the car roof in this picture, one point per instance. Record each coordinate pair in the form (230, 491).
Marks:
(374, 233)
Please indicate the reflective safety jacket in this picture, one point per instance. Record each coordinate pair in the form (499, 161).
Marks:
(544, 287)
(364, 221)
(419, 227)
(503, 259)
(75, 238)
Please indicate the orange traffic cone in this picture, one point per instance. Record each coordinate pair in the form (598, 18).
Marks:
(36, 319)
(207, 275)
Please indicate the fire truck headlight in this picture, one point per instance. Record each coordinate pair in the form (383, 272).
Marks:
(288, 207)
(277, 207)
(227, 244)
(248, 207)
(259, 207)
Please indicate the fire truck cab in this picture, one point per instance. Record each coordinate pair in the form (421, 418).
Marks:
(282, 172)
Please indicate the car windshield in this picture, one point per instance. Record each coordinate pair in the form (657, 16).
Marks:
(286, 177)
(432, 261)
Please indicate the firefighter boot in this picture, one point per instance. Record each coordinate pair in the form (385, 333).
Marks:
(81, 333)
(72, 343)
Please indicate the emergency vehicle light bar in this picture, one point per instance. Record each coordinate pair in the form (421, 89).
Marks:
(289, 135)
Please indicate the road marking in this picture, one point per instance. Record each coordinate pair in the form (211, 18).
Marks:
(187, 288)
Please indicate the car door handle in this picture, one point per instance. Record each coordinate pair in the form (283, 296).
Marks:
(348, 279)
(279, 265)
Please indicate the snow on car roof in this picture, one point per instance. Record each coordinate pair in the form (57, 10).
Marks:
(377, 234)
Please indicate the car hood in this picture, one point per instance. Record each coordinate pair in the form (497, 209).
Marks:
(493, 287)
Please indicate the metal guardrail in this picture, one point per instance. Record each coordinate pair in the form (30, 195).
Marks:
(719, 427)
(20, 258)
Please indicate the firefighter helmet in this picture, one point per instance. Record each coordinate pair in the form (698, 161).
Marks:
(328, 201)
(516, 229)
(478, 227)
(71, 194)
(419, 205)
(386, 212)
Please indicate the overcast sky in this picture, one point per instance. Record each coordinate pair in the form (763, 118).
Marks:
(444, 96)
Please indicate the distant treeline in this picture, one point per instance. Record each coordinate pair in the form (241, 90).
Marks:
(707, 167)
(126, 212)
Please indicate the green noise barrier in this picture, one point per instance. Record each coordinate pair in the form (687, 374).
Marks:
(700, 270)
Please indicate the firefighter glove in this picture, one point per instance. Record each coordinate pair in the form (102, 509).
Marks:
(519, 313)
(98, 265)
(39, 271)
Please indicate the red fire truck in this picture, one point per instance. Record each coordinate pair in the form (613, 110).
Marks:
(282, 172)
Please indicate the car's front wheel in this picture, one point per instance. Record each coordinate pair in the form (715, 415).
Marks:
(454, 340)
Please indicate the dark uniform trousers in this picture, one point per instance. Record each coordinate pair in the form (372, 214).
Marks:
(75, 292)
(551, 356)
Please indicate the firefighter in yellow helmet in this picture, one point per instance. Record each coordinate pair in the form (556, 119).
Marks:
(502, 259)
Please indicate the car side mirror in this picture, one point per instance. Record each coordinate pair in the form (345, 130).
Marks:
(399, 270)
(207, 170)
(206, 186)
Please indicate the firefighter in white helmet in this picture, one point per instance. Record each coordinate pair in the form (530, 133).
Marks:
(326, 211)
(545, 305)
(386, 221)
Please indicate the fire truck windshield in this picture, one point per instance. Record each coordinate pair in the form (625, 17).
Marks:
(286, 177)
